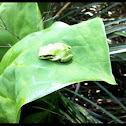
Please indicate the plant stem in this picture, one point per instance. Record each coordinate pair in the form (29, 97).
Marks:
(5, 28)
(77, 89)
(60, 11)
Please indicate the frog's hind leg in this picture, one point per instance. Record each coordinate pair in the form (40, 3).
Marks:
(67, 58)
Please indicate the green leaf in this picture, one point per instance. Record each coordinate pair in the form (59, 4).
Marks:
(110, 36)
(119, 57)
(67, 116)
(113, 22)
(78, 109)
(117, 48)
(19, 18)
(25, 78)
(114, 29)
(118, 52)
(45, 9)
(120, 33)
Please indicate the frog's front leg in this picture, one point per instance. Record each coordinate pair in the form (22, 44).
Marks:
(57, 58)
(66, 59)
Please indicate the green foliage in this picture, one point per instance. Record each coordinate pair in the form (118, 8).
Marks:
(111, 95)
(45, 9)
(118, 52)
(116, 48)
(114, 29)
(19, 18)
(77, 112)
(55, 108)
(102, 109)
(43, 110)
(120, 33)
(113, 22)
(25, 78)
(75, 10)
(107, 9)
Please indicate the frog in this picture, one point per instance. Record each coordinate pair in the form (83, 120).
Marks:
(58, 52)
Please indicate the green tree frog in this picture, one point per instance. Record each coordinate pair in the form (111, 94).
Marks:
(56, 52)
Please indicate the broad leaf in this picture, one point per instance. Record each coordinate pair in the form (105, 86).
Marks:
(19, 18)
(24, 77)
